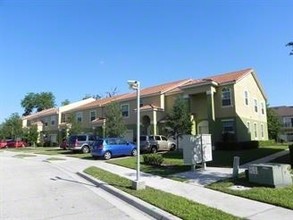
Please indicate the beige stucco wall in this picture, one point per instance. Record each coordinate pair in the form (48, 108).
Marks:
(224, 111)
(247, 111)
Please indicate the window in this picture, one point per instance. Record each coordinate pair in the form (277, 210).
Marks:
(246, 97)
(53, 120)
(255, 131)
(92, 115)
(288, 122)
(228, 126)
(262, 108)
(262, 131)
(248, 127)
(125, 110)
(255, 105)
(79, 116)
(45, 122)
(226, 97)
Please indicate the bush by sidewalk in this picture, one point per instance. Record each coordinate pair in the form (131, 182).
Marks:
(291, 154)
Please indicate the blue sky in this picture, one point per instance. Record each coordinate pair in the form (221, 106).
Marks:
(77, 47)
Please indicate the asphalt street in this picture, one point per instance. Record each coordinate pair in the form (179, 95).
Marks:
(34, 188)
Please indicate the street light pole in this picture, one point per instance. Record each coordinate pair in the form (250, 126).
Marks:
(135, 85)
(138, 132)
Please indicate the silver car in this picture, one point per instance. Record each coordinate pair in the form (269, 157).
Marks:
(154, 143)
(81, 142)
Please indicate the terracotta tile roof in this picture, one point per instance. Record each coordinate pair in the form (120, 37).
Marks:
(46, 112)
(97, 103)
(221, 78)
(158, 89)
(283, 110)
(230, 77)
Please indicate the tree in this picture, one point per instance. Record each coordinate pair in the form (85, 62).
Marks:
(179, 119)
(31, 134)
(75, 126)
(37, 101)
(65, 102)
(274, 124)
(115, 126)
(290, 44)
(12, 127)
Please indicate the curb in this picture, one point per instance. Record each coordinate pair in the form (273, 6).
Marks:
(131, 200)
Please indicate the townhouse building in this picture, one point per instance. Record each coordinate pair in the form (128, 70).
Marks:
(49, 121)
(232, 103)
(285, 115)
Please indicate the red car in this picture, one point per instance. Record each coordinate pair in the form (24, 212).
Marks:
(16, 144)
(3, 144)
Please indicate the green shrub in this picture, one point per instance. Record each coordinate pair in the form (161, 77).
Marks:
(267, 143)
(153, 159)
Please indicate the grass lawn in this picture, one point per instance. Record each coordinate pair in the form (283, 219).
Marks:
(173, 161)
(275, 196)
(176, 205)
(54, 151)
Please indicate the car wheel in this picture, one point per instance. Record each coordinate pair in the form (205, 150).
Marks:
(134, 152)
(85, 149)
(173, 147)
(107, 155)
(154, 149)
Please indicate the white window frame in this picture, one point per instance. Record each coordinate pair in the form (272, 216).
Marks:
(246, 98)
(228, 121)
(122, 112)
(53, 120)
(94, 113)
(262, 134)
(224, 98)
(79, 117)
(262, 108)
(255, 105)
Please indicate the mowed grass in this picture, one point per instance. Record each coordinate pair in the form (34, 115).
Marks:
(176, 205)
(174, 163)
(275, 196)
(52, 151)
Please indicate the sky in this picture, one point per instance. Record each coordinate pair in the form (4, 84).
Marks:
(75, 48)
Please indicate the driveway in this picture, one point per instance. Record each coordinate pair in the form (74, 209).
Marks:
(35, 188)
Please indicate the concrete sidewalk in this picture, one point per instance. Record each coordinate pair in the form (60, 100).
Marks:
(193, 189)
(234, 205)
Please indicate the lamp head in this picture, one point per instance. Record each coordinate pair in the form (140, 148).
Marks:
(133, 84)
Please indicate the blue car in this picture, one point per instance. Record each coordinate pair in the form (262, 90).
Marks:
(112, 147)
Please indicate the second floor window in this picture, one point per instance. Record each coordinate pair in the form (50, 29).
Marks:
(226, 97)
(288, 122)
(79, 116)
(53, 120)
(262, 108)
(246, 97)
(125, 110)
(92, 115)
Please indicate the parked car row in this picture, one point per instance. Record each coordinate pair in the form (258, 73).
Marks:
(113, 147)
(10, 143)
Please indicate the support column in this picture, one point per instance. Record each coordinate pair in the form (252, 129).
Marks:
(211, 110)
(187, 100)
(155, 122)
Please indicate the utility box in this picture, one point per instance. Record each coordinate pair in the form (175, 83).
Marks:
(197, 149)
(270, 174)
